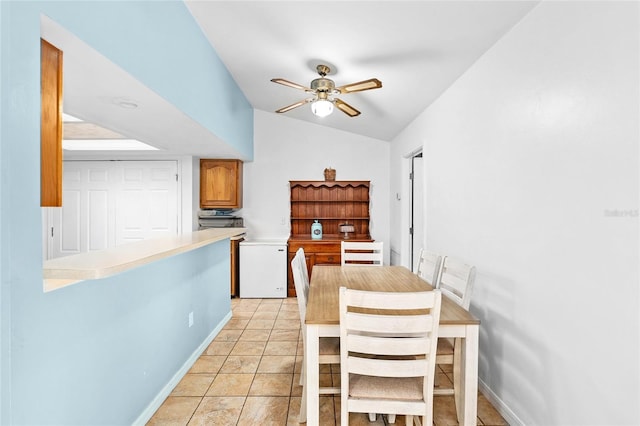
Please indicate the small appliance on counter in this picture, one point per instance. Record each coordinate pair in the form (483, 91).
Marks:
(263, 268)
(218, 219)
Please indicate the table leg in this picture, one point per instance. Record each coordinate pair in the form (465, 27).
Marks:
(302, 417)
(312, 385)
(467, 382)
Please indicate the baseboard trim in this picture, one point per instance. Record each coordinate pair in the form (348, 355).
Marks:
(502, 408)
(148, 412)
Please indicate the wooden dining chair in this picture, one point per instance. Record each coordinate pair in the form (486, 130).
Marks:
(329, 346)
(382, 368)
(301, 281)
(456, 282)
(361, 253)
(428, 267)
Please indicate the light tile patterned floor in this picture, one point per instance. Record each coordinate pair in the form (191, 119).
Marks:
(250, 375)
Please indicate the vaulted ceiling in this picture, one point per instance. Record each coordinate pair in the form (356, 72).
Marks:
(416, 48)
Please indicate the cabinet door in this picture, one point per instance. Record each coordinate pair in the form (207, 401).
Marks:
(50, 125)
(220, 184)
(235, 267)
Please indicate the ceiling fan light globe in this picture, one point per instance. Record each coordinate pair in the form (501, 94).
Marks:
(322, 107)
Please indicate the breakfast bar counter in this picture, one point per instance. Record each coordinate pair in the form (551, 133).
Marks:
(68, 270)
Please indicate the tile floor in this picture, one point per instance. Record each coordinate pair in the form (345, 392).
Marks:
(250, 375)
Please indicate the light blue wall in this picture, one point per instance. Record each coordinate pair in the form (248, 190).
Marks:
(98, 352)
(160, 44)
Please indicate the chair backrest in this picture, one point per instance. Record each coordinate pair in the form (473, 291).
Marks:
(428, 267)
(456, 281)
(301, 282)
(303, 267)
(379, 343)
(361, 253)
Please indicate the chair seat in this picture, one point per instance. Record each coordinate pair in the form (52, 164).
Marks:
(387, 388)
(329, 346)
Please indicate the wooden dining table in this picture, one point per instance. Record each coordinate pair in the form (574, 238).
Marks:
(323, 320)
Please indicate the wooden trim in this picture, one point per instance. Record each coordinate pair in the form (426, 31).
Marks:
(50, 125)
(328, 183)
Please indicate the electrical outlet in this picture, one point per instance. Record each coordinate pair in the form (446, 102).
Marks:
(190, 319)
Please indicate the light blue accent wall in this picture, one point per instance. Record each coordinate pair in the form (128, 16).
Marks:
(97, 353)
(100, 351)
(160, 44)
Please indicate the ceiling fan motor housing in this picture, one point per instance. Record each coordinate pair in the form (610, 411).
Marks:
(323, 85)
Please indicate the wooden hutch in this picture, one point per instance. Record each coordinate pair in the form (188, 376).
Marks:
(331, 203)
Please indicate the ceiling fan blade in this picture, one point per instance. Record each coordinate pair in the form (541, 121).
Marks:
(372, 83)
(346, 108)
(291, 84)
(292, 106)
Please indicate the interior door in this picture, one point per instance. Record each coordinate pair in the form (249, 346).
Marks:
(147, 200)
(417, 208)
(82, 223)
(108, 203)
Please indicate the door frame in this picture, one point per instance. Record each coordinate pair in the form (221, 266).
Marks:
(412, 209)
(405, 258)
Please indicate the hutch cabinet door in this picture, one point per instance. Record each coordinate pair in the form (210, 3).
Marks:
(220, 184)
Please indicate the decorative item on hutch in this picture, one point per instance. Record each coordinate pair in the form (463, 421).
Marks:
(329, 174)
(316, 230)
(346, 229)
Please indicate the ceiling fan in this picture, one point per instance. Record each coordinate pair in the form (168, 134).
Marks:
(324, 90)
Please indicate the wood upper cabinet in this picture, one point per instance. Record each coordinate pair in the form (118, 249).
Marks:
(220, 184)
(50, 125)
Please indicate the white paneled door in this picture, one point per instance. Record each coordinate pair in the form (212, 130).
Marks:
(109, 203)
(147, 202)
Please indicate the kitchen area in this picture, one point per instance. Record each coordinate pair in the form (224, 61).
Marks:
(322, 213)
(258, 266)
(315, 215)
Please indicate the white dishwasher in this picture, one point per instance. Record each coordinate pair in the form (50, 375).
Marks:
(263, 269)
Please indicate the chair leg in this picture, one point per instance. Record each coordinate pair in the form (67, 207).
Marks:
(302, 418)
(372, 417)
(457, 374)
(391, 418)
(344, 411)
(409, 421)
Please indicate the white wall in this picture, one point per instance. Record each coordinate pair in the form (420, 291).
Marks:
(532, 175)
(287, 149)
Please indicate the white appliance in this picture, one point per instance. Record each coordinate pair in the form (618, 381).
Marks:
(263, 269)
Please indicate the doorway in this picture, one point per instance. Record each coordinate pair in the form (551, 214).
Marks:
(416, 228)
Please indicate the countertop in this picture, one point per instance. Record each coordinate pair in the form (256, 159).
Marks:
(68, 270)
